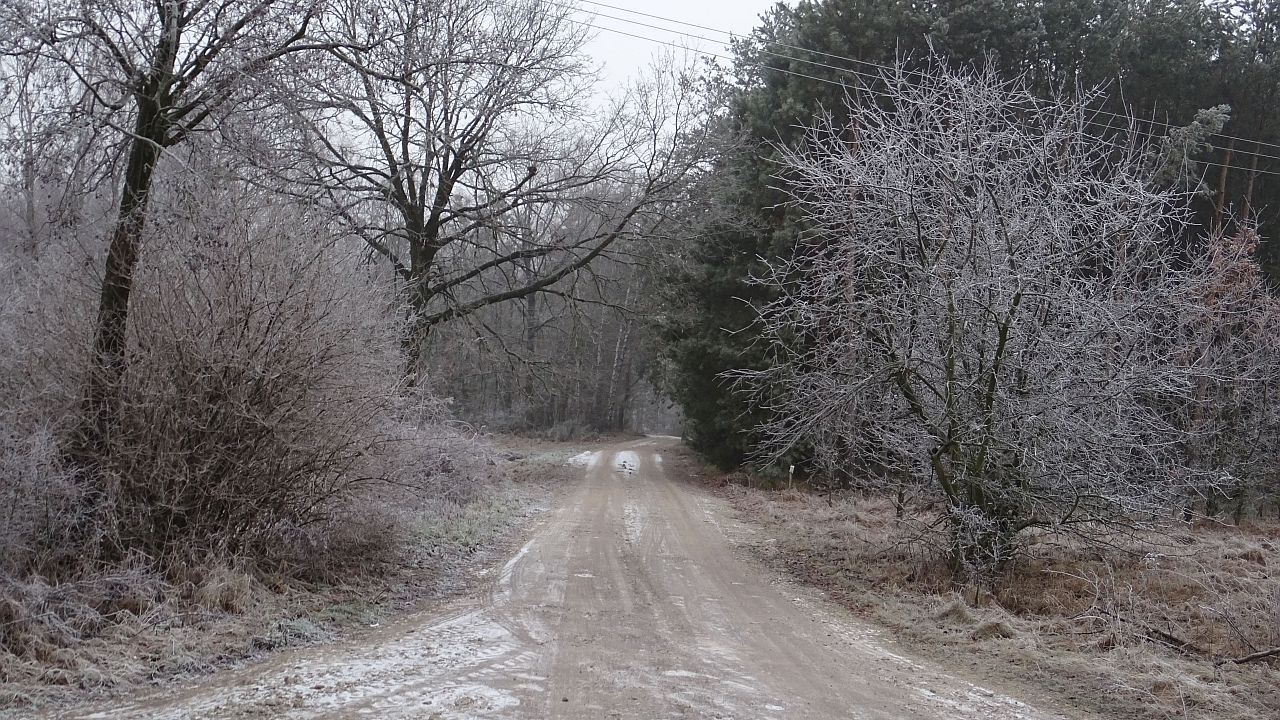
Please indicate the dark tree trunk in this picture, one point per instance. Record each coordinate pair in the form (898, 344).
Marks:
(150, 136)
(110, 336)
(418, 328)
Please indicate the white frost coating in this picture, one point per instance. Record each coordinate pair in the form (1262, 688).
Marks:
(504, 577)
(627, 461)
(585, 458)
(410, 675)
(893, 656)
(975, 704)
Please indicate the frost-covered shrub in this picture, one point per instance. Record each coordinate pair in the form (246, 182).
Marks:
(263, 362)
(994, 306)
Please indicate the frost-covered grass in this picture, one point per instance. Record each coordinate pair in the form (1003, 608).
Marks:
(1136, 632)
(469, 527)
(113, 632)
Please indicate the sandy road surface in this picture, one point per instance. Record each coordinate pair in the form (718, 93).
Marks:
(627, 603)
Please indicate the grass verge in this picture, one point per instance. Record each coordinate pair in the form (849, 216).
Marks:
(1132, 633)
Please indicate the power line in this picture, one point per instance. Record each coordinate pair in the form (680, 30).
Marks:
(868, 63)
(1207, 163)
(705, 52)
(832, 56)
(707, 39)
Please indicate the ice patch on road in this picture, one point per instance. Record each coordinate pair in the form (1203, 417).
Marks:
(586, 458)
(504, 576)
(977, 703)
(627, 461)
(433, 670)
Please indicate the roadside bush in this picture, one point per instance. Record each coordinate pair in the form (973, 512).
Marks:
(428, 472)
(260, 399)
(40, 501)
(43, 324)
(264, 436)
(262, 367)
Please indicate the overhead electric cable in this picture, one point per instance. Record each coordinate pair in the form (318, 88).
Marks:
(846, 59)
(829, 81)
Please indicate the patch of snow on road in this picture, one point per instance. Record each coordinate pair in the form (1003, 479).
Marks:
(401, 676)
(585, 458)
(504, 576)
(975, 702)
(627, 461)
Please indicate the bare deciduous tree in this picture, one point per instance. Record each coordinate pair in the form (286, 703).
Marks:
(441, 127)
(992, 306)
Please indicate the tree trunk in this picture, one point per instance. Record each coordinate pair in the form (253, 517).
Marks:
(621, 360)
(417, 329)
(620, 412)
(110, 338)
(150, 135)
(1220, 203)
(535, 411)
(621, 357)
(31, 243)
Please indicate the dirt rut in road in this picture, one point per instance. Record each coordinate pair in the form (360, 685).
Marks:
(628, 602)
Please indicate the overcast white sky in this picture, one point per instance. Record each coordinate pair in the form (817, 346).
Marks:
(621, 55)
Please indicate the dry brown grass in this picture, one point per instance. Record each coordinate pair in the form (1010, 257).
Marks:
(62, 643)
(1127, 633)
(101, 633)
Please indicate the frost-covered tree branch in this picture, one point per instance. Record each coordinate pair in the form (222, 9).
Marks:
(438, 129)
(991, 306)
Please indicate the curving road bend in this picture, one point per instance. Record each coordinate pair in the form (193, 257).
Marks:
(628, 602)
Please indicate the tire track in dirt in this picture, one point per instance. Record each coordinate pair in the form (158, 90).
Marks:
(628, 602)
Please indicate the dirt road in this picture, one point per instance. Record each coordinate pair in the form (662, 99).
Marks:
(628, 602)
